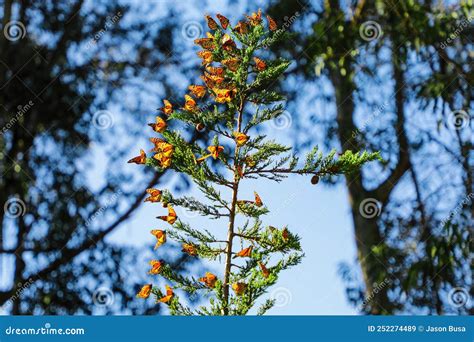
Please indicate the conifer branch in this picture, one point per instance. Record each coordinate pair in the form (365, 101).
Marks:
(234, 77)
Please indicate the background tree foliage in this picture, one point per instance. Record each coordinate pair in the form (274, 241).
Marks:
(395, 76)
(62, 63)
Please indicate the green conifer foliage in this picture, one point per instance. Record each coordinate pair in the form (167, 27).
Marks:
(236, 97)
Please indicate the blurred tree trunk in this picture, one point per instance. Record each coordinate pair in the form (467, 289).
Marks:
(367, 232)
(383, 59)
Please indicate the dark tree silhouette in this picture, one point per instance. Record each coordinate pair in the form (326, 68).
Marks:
(75, 75)
(394, 76)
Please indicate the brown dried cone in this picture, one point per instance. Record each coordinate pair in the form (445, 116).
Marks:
(200, 127)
